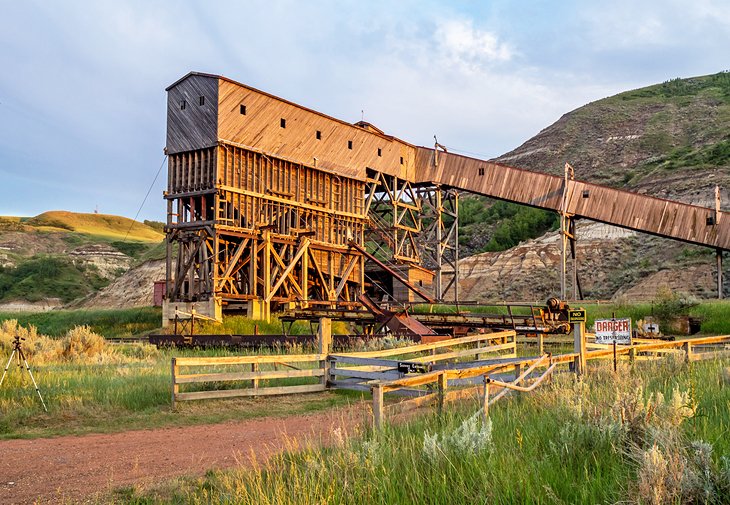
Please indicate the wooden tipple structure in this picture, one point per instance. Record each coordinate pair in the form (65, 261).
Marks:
(273, 205)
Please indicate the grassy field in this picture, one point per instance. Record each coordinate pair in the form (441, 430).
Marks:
(121, 388)
(112, 323)
(655, 433)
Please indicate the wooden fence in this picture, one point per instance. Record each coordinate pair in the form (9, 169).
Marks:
(693, 350)
(332, 369)
(356, 370)
(423, 371)
(299, 366)
(254, 375)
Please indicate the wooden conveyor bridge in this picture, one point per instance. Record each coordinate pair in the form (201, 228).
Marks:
(634, 211)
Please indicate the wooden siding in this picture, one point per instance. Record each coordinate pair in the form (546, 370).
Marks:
(634, 211)
(260, 129)
(195, 126)
(191, 171)
(261, 190)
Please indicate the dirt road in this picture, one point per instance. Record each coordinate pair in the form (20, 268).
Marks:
(78, 467)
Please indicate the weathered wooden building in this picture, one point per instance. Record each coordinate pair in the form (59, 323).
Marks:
(270, 204)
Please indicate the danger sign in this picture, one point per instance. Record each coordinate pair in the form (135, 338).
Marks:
(609, 331)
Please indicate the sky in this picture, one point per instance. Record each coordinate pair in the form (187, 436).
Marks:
(82, 83)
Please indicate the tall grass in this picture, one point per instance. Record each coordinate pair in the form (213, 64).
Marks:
(90, 385)
(651, 434)
(715, 315)
(110, 323)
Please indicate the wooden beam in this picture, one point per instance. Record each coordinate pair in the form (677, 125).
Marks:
(348, 270)
(287, 272)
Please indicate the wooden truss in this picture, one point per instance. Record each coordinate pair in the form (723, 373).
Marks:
(439, 239)
(394, 213)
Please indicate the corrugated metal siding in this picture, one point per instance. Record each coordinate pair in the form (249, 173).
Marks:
(195, 126)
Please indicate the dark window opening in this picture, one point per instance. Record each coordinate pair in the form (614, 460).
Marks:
(481, 170)
(242, 109)
(202, 100)
(349, 144)
(319, 135)
(283, 123)
(710, 220)
(380, 152)
(401, 160)
(182, 104)
(586, 193)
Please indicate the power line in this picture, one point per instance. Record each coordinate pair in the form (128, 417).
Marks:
(145, 197)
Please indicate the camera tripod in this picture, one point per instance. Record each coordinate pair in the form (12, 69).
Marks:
(18, 351)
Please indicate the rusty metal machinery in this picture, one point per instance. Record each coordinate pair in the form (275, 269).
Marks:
(426, 320)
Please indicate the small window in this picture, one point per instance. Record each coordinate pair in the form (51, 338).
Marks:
(401, 160)
(318, 135)
(349, 144)
(282, 122)
(481, 170)
(586, 193)
(183, 104)
(242, 110)
(380, 152)
(710, 221)
(202, 100)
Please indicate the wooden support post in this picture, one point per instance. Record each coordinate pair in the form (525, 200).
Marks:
(688, 352)
(579, 347)
(266, 274)
(442, 384)
(719, 274)
(632, 355)
(175, 370)
(518, 370)
(324, 341)
(378, 412)
(304, 279)
(255, 382)
(615, 358)
(719, 251)
(485, 399)
(540, 343)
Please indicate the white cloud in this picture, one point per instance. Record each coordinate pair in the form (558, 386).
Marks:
(460, 43)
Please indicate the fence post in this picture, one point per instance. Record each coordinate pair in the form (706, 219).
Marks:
(378, 413)
(632, 354)
(175, 370)
(540, 343)
(254, 382)
(579, 346)
(688, 352)
(485, 399)
(443, 384)
(324, 339)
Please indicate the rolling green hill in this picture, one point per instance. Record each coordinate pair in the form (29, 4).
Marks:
(102, 225)
(60, 257)
(669, 140)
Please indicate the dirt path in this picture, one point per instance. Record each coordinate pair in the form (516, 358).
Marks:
(78, 467)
